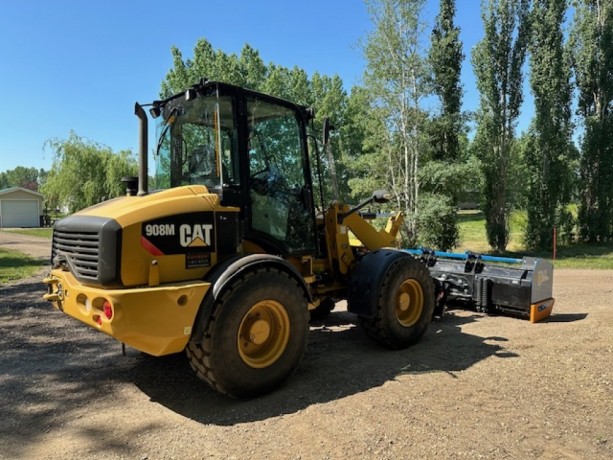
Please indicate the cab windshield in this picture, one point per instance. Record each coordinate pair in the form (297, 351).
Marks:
(197, 144)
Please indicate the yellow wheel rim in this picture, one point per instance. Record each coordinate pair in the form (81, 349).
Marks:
(263, 334)
(409, 302)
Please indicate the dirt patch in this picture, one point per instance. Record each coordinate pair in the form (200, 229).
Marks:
(34, 246)
(474, 387)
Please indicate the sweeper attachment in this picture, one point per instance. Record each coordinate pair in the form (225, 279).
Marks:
(518, 287)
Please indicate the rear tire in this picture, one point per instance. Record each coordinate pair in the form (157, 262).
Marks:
(405, 305)
(256, 336)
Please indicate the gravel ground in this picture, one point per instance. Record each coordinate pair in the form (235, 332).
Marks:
(475, 387)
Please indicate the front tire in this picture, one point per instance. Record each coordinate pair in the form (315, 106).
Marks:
(255, 336)
(405, 305)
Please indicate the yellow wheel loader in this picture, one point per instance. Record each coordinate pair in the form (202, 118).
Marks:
(228, 255)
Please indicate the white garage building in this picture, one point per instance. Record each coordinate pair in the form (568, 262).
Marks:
(20, 207)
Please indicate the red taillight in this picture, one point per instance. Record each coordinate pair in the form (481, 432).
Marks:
(108, 309)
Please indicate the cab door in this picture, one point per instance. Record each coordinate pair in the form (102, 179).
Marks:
(280, 196)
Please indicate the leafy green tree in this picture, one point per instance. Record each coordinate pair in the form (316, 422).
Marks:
(592, 52)
(548, 154)
(497, 60)
(30, 178)
(437, 222)
(85, 173)
(397, 81)
(247, 70)
(365, 133)
(444, 184)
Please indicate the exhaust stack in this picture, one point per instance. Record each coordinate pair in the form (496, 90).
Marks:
(143, 170)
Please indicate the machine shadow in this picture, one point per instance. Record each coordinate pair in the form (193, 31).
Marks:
(51, 368)
(565, 317)
(340, 361)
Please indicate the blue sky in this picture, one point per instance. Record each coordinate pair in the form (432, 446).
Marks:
(81, 64)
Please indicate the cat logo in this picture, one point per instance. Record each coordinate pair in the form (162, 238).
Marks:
(195, 236)
(541, 277)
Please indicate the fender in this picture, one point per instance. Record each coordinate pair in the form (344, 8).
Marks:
(224, 272)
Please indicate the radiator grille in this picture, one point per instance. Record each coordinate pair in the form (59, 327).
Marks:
(81, 248)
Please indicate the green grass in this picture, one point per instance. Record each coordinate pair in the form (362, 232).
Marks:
(472, 232)
(473, 238)
(583, 256)
(42, 232)
(16, 265)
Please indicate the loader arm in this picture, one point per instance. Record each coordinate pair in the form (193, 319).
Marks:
(369, 236)
(338, 223)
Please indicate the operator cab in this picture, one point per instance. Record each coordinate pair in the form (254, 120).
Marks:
(248, 148)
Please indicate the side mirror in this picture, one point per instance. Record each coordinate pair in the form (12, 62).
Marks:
(381, 196)
(190, 94)
(378, 196)
(326, 131)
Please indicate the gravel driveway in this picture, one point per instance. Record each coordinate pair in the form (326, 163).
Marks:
(475, 387)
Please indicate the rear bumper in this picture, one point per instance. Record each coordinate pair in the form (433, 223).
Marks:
(156, 320)
(541, 310)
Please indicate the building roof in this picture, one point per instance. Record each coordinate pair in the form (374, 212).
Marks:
(21, 189)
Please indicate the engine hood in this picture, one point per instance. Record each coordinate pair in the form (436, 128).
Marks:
(129, 210)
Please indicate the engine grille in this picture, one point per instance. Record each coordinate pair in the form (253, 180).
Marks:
(91, 248)
(82, 249)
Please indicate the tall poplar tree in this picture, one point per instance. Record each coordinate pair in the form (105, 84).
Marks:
(437, 220)
(446, 58)
(592, 51)
(497, 60)
(548, 153)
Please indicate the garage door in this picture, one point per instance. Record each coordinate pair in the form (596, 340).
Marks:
(19, 213)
